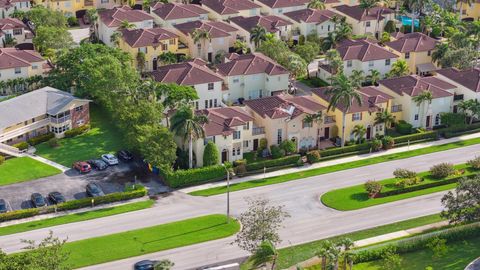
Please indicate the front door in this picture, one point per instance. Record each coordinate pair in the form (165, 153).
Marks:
(224, 156)
(326, 133)
(154, 63)
(427, 123)
(369, 133)
(255, 145)
(210, 57)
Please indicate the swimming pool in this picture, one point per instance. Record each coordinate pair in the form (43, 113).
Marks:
(408, 21)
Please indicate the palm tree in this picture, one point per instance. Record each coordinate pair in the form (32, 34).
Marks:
(265, 253)
(126, 25)
(167, 58)
(357, 78)
(199, 36)
(385, 118)
(257, 35)
(324, 253)
(399, 69)
(471, 108)
(313, 118)
(316, 4)
(240, 47)
(359, 132)
(416, 7)
(3, 85)
(334, 60)
(346, 244)
(186, 124)
(343, 93)
(367, 5)
(421, 99)
(440, 51)
(374, 76)
(92, 15)
(115, 38)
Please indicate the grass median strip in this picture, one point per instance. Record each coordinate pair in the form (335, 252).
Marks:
(45, 223)
(334, 168)
(148, 240)
(22, 169)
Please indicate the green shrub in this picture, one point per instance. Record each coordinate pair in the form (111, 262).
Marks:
(21, 146)
(373, 188)
(18, 214)
(183, 178)
(263, 144)
(2, 159)
(276, 152)
(408, 189)
(53, 142)
(40, 139)
(289, 160)
(72, 21)
(404, 173)
(347, 149)
(390, 27)
(453, 119)
(407, 182)
(429, 135)
(442, 170)
(436, 31)
(288, 146)
(376, 145)
(388, 142)
(210, 154)
(313, 156)
(76, 131)
(403, 127)
(474, 163)
(301, 40)
(300, 162)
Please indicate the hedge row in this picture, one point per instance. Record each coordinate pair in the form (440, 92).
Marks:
(18, 214)
(76, 131)
(347, 149)
(428, 135)
(40, 139)
(288, 160)
(455, 134)
(183, 178)
(21, 146)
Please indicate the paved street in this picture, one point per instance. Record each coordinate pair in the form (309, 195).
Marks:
(310, 219)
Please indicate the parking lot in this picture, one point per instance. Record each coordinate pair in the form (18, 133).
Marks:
(72, 184)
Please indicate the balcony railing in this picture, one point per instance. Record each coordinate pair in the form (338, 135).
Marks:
(60, 120)
(329, 120)
(258, 130)
(396, 108)
(23, 129)
(457, 97)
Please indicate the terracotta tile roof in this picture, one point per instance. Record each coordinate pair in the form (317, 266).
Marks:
(284, 3)
(12, 58)
(11, 23)
(187, 73)
(397, 35)
(173, 11)
(137, 38)
(224, 7)
(469, 78)
(216, 29)
(413, 42)
(360, 14)
(7, 4)
(282, 106)
(311, 15)
(370, 95)
(222, 120)
(269, 22)
(114, 17)
(247, 64)
(363, 50)
(414, 85)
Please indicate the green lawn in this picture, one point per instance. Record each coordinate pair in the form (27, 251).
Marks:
(292, 255)
(22, 169)
(459, 255)
(355, 197)
(102, 138)
(34, 225)
(313, 82)
(147, 240)
(334, 168)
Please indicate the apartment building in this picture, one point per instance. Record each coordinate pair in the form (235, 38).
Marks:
(279, 27)
(364, 21)
(308, 21)
(226, 9)
(170, 14)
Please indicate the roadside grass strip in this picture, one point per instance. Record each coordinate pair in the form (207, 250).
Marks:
(334, 168)
(23, 169)
(50, 222)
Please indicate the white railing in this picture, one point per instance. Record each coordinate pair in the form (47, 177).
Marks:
(9, 150)
(24, 129)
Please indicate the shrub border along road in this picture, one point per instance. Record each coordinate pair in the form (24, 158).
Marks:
(334, 168)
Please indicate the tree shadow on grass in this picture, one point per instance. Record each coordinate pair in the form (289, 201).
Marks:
(359, 197)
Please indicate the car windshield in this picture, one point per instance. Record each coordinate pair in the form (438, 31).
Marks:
(94, 189)
(39, 200)
(2, 205)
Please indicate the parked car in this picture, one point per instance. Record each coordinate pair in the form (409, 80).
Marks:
(98, 164)
(38, 200)
(82, 167)
(94, 190)
(144, 265)
(3, 206)
(56, 197)
(125, 155)
(110, 159)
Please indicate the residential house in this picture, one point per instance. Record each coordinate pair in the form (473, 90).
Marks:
(364, 114)
(252, 76)
(280, 28)
(282, 117)
(233, 132)
(41, 111)
(170, 14)
(372, 22)
(152, 43)
(15, 63)
(467, 83)
(111, 19)
(278, 7)
(15, 31)
(222, 37)
(469, 11)
(405, 89)
(360, 54)
(7, 7)
(416, 49)
(308, 21)
(195, 73)
(226, 9)
(68, 7)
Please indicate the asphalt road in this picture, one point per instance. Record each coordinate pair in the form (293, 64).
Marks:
(310, 219)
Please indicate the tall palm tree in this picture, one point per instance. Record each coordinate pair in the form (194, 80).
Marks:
(316, 4)
(357, 78)
(92, 15)
(471, 108)
(346, 244)
(167, 58)
(421, 99)
(374, 76)
(399, 69)
(385, 118)
(257, 35)
(367, 5)
(240, 47)
(343, 93)
(359, 132)
(265, 253)
(126, 25)
(188, 126)
(416, 7)
(200, 36)
(324, 253)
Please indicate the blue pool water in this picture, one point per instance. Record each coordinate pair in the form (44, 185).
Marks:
(408, 21)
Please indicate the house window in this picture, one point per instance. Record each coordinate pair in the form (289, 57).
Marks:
(206, 104)
(437, 119)
(367, 24)
(238, 151)
(349, 63)
(236, 80)
(18, 70)
(172, 41)
(210, 103)
(370, 63)
(196, 105)
(210, 86)
(79, 108)
(34, 67)
(246, 126)
(236, 134)
(307, 124)
(429, 53)
(142, 49)
(208, 139)
(279, 136)
(416, 117)
(104, 1)
(328, 28)
(387, 62)
(165, 46)
(245, 144)
(357, 116)
(407, 55)
(215, 103)
(17, 32)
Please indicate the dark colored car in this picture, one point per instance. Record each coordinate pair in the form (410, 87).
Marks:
(38, 200)
(98, 164)
(144, 265)
(82, 167)
(94, 190)
(125, 155)
(56, 197)
(3, 206)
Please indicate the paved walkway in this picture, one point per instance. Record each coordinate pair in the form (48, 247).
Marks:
(49, 162)
(333, 162)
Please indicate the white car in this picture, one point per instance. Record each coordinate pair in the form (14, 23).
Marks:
(110, 159)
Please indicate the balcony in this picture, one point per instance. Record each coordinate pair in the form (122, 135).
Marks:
(396, 108)
(24, 129)
(60, 120)
(329, 120)
(457, 97)
(258, 131)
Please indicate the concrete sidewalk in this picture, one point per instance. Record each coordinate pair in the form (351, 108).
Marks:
(332, 162)
(48, 162)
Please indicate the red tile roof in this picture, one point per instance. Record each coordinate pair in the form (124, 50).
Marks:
(137, 38)
(11, 23)
(469, 78)
(247, 64)
(7, 4)
(224, 7)
(173, 11)
(114, 17)
(311, 15)
(269, 22)
(363, 50)
(413, 42)
(187, 73)
(216, 29)
(282, 106)
(222, 120)
(283, 3)
(414, 85)
(360, 14)
(12, 58)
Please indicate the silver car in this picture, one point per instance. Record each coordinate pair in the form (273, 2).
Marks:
(110, 159)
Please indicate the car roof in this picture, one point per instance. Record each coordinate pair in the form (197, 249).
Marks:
(55, 193)
(144, 262)
(36, 194)
(2, 201)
